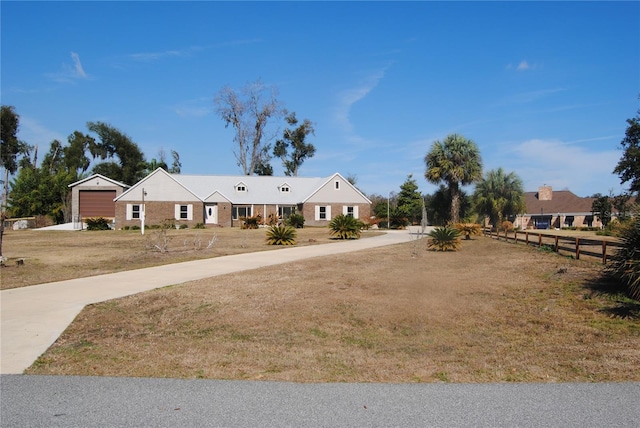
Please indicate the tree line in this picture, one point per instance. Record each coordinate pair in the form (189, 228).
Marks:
(40, 186)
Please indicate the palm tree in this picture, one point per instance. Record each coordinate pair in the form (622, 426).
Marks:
(455, 161)
(499, 195)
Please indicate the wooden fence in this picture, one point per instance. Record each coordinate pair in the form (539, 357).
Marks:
(576, 246)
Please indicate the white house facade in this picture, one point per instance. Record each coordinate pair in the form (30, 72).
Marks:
(225, 200)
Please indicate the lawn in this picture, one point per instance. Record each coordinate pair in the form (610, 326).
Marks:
(48, 256)
(492, 312)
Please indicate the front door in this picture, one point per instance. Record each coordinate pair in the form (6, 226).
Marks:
(211, 214)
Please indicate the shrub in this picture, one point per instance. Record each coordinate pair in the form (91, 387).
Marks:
(97, 223)
(296, 220)
(184, 226)
(199, 226)
(345, 227)
(135, 227)
(444, 239)
(250, 222)
(281, 235)
(273, 219)
(625, 264)
(468, 229)
(506, 226)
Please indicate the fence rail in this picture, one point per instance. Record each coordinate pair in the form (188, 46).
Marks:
(599, 248)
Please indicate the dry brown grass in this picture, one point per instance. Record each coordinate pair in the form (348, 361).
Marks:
(58, 255)
(493, 312)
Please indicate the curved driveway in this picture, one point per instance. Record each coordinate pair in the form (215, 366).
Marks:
(34, 317)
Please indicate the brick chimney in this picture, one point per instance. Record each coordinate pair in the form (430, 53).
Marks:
(545, 193)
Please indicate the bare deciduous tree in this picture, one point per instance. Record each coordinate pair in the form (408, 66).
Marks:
(249, 112)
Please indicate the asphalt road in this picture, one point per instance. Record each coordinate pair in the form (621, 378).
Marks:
(70, 401)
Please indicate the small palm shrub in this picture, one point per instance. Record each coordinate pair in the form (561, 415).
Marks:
(345, 227)
(444, 239)
(281, 235)
(625, 264)
(296, 220)
(468, 229)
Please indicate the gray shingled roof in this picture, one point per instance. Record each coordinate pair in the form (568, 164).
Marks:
(260, 189)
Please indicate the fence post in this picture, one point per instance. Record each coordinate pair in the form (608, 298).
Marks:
(604, 252)
(526, 238)
(556, 246)
(577, 248)
(539, 240)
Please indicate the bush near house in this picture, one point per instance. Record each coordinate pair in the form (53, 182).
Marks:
(281, 235)
(296, 220)
(345, 227)
(97, 223)
(251, 222)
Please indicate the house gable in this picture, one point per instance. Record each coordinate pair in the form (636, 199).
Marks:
(337, 189)
(158, 186)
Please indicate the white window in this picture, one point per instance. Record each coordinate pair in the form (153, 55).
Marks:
(337, 185)
(284, 189)
(286, 211)
(323, 212)
(241, 187)
(350, 211)
(184, 212)
(133, 211)
(240, 211)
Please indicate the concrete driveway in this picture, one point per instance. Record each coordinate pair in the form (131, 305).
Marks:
(34, 317)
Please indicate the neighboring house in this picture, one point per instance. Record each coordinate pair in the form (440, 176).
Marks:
(547, 209)
(94, 197)
(224, 200)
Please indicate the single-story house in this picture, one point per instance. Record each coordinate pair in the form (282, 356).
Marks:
(94, 197)
(548, 209)
(225, 200)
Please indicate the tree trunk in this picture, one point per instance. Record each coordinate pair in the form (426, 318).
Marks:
(455, 203)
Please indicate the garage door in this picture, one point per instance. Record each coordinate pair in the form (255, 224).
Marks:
(97, 203)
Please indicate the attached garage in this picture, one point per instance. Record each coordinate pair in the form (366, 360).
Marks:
(94, 197)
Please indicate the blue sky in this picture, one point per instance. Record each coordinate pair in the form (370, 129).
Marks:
(543, 88)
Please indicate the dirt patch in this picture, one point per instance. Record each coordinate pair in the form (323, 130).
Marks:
(493, 312)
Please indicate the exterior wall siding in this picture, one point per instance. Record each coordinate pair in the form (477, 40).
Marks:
(309, 213)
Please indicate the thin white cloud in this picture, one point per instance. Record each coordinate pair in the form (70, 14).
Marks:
(176, 53)
(348, 97)
(70, 72)
(522, 66)
(193, 108)
(561, 165)
(79, 71)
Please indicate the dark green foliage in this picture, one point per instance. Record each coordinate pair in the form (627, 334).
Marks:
(455, 162)
(444, 239)
(294, 139)
(439, 206)
(625, 264)
(498, 196)
(131, 166)
(628, 168)
(409, 202)
(345, 227)
(601, 208)
(97, 223)
(199, 226)
(295, 220)
(10, 145)
(281, 235)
